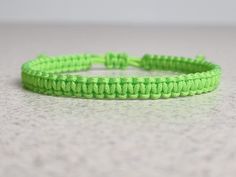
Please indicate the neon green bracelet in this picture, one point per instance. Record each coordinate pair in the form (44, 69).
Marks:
(46, 75)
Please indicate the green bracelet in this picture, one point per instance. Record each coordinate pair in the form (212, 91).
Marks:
(46, 75)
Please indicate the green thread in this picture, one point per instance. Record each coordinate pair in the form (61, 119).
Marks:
(44, 75)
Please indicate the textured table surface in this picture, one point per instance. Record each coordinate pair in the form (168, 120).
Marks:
(50, 136)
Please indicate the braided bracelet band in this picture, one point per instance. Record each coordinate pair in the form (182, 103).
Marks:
(47, 75)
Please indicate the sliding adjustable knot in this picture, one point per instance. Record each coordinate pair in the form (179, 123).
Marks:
(116, 61)
(146, 61)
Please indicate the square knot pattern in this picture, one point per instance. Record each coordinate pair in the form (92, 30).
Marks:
(116, 61)
(46, 75)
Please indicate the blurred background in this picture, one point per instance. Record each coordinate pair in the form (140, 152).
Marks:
(179, 27)
(157, 12)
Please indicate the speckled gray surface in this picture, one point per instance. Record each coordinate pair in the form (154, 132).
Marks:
(45, 136)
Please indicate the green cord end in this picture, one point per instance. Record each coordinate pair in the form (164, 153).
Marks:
(200, 57)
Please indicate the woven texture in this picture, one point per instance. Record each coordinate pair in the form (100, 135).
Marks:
(46, 75)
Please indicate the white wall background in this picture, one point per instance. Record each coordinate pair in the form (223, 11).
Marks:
(205, 12)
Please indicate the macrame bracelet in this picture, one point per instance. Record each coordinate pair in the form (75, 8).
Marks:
(47, 75)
